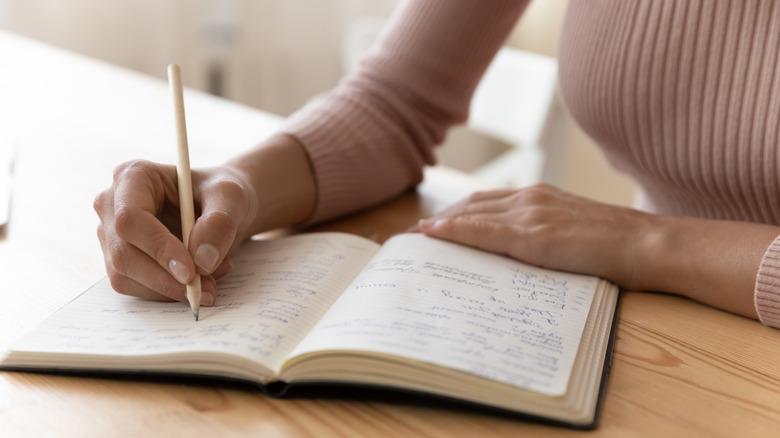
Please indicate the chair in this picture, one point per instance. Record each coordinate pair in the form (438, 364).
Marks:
(515, 103)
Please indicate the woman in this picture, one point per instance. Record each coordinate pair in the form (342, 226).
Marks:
(684, 96)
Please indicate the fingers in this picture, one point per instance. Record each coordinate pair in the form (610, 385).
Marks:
(133, 273)
(130, 211)
(480, 231)
(226, 209)
(130, 287)
(477, 201)
(143, 257)
(144, 231)
(498, 220)
(144, 192)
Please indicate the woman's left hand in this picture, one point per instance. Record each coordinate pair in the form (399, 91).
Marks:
(712, 261)
(545, 226)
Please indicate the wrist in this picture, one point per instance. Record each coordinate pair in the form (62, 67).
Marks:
(712, 261)
(280, 175)
(656, 259)
(641, 244)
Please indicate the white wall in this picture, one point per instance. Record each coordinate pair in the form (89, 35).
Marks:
(281, 52)
(275, 54)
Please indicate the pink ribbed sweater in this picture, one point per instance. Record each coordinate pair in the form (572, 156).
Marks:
(682, 95)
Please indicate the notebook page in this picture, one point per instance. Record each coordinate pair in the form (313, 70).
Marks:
(276, 292)
(438, 302)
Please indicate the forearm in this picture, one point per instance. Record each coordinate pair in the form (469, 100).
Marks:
(715, 262)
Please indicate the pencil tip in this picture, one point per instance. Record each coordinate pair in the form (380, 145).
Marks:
(196, 317)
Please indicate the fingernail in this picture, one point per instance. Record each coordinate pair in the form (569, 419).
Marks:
(206, 257)
(179, 271)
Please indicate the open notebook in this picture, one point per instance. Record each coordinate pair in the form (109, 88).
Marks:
(415, 314)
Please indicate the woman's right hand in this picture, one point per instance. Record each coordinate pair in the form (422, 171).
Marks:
(140, 229)
(140, 224)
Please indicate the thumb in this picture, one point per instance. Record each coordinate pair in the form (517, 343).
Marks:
(224, 209)
(211, 239)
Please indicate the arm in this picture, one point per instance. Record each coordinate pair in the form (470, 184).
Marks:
(358, 145)
(369, 138)
(712, 261)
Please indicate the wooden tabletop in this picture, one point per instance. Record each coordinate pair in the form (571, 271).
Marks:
(679, 368)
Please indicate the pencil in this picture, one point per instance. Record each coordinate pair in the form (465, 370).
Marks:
(184, 176)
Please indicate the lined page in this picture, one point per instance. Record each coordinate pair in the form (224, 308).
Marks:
(442, 303)
(277, 291)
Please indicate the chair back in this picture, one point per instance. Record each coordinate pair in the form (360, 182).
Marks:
(515, 103)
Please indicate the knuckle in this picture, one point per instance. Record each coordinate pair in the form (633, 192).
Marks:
(535, 215)
(117, 258)
(229, 186)
(124, 221)
(99, 203)
(131, 167)
(480, 229)
(545, 187)
(530, 195)
(222, 220)
(487, 195)
(478, 196)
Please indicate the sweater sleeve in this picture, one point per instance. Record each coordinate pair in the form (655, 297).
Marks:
(369, 138)
(767, 294)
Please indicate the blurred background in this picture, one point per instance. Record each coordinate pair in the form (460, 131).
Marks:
(275, 54)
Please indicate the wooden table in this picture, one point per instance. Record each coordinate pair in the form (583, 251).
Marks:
(680, 368)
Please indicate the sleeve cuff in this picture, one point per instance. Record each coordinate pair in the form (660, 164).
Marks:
(767, 292)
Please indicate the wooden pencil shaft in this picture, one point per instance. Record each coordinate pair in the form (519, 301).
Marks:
(183, 172)
(184, 177)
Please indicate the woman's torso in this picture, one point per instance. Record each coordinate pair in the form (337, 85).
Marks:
(684, 96)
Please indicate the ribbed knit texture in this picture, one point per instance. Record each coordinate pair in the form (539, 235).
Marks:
(767, 295)
(369, 138)
(684, 95)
